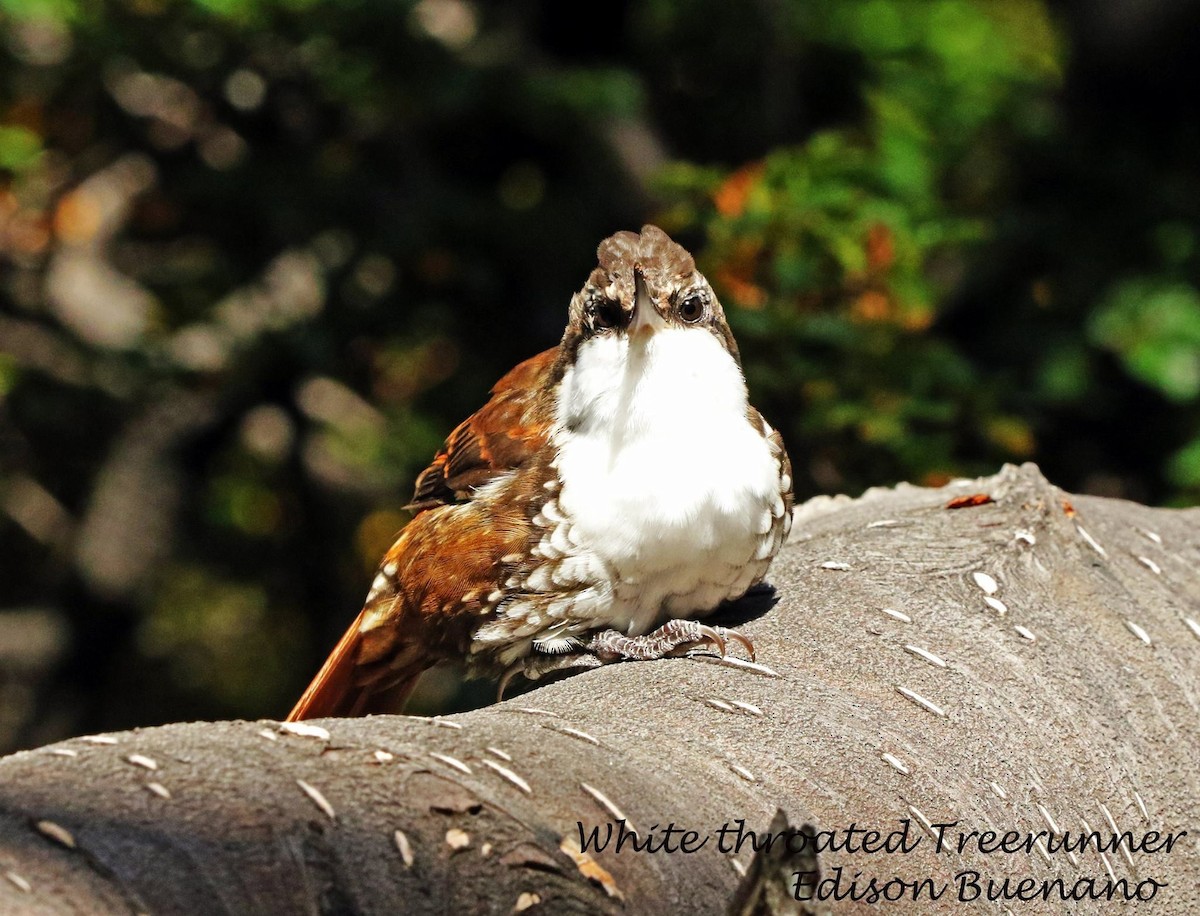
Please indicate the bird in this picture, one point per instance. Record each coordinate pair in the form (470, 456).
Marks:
(613, 492)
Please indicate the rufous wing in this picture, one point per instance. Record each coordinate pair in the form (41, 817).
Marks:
(512, 427)
(443, 560)
(431, 590)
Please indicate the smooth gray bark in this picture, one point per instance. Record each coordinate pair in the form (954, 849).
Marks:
(1025, 665)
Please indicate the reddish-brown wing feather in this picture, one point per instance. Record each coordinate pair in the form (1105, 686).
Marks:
(445, 560)
(437, 579)
(500, 436)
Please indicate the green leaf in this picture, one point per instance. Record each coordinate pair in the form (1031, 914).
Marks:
(19, 148)
(1154, 326)
(1184, 467)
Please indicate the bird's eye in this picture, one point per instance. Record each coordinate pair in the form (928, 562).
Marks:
(605, 315)
(691, 309)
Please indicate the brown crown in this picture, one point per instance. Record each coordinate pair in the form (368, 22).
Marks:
(661, 259)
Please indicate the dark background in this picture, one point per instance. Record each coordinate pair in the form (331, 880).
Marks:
(257, 257)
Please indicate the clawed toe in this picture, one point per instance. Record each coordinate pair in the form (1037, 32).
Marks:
(709, 636)
(744, 641)
(536, 666)
(715, 637)
(672, 639)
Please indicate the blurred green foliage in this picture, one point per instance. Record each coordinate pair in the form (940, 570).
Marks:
(1154, 325)
(259, 256)
(845, 250)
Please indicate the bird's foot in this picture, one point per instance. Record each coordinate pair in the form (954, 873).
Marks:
(533, 667)
(673, 638)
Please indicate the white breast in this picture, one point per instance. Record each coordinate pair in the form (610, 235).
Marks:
(666, 486)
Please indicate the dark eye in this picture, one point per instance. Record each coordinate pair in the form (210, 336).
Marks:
(691, 309)
(605, 315)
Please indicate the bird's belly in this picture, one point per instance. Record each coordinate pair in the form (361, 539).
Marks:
(670, 525)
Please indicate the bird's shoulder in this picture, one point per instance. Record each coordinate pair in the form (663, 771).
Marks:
(505, 434)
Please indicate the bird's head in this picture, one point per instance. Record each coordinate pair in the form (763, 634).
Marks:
(644, 284)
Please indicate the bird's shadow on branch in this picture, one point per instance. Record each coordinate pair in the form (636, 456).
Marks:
(752, 605)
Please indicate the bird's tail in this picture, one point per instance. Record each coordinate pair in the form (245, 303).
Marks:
(344, 688)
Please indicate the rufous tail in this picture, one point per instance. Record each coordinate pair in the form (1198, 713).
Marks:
(339, 689)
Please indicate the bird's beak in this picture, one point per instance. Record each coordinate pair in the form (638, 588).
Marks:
(645, 318)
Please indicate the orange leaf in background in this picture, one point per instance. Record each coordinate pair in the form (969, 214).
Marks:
(77, 218)
(1068, 509)
(731, 196)
(969, 502)
(737, 274)
(746, 294)
(936, 479)
(1013, 435)
(881, 250)
(871, 306)
(917, 320)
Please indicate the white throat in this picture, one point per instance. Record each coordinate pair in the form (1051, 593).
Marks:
(660, 385)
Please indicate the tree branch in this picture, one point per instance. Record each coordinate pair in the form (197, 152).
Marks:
(1029, 664)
